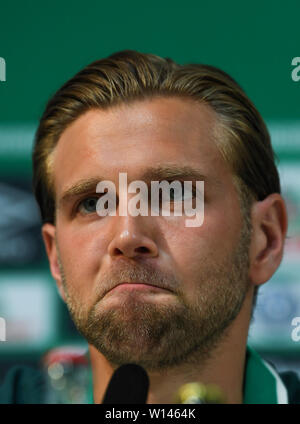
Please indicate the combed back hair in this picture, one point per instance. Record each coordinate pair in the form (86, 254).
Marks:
(128, 76)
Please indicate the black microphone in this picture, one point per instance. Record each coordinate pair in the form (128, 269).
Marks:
(128, 384)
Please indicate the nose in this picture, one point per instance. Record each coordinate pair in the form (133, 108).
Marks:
(131, 239)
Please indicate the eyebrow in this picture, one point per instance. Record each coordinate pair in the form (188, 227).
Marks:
(159, 172)
(81, 187)
(176, 172)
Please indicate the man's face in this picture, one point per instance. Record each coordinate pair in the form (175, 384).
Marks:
(185, 285)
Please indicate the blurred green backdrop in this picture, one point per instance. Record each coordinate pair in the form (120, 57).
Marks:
(45, 43)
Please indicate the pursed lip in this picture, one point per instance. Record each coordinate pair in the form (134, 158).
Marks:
(137, 285)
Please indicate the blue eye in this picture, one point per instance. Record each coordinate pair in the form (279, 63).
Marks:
(88, 205)
(179, 196)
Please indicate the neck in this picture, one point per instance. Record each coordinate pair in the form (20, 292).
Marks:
(224, 367)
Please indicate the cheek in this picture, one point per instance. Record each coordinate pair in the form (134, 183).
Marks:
(193, 248)
(82, 250)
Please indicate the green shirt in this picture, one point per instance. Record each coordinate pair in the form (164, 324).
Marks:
(262, 383)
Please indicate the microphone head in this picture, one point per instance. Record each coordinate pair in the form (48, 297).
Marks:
(198, 393)
(129, 384)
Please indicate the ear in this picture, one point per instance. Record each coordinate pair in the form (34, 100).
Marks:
(48, 233)
(269, 223)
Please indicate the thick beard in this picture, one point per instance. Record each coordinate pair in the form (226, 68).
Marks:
(161, 336)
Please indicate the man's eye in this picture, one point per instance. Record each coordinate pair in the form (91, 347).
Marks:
(183, 194)
(88, 205)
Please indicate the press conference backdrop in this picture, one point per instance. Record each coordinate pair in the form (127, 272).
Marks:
(42, 45)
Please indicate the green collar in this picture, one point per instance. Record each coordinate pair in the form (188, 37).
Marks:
(262, 383)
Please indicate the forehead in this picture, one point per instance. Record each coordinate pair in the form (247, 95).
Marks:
(128, 138)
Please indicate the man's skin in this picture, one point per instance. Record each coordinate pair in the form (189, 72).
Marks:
(132, 138)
